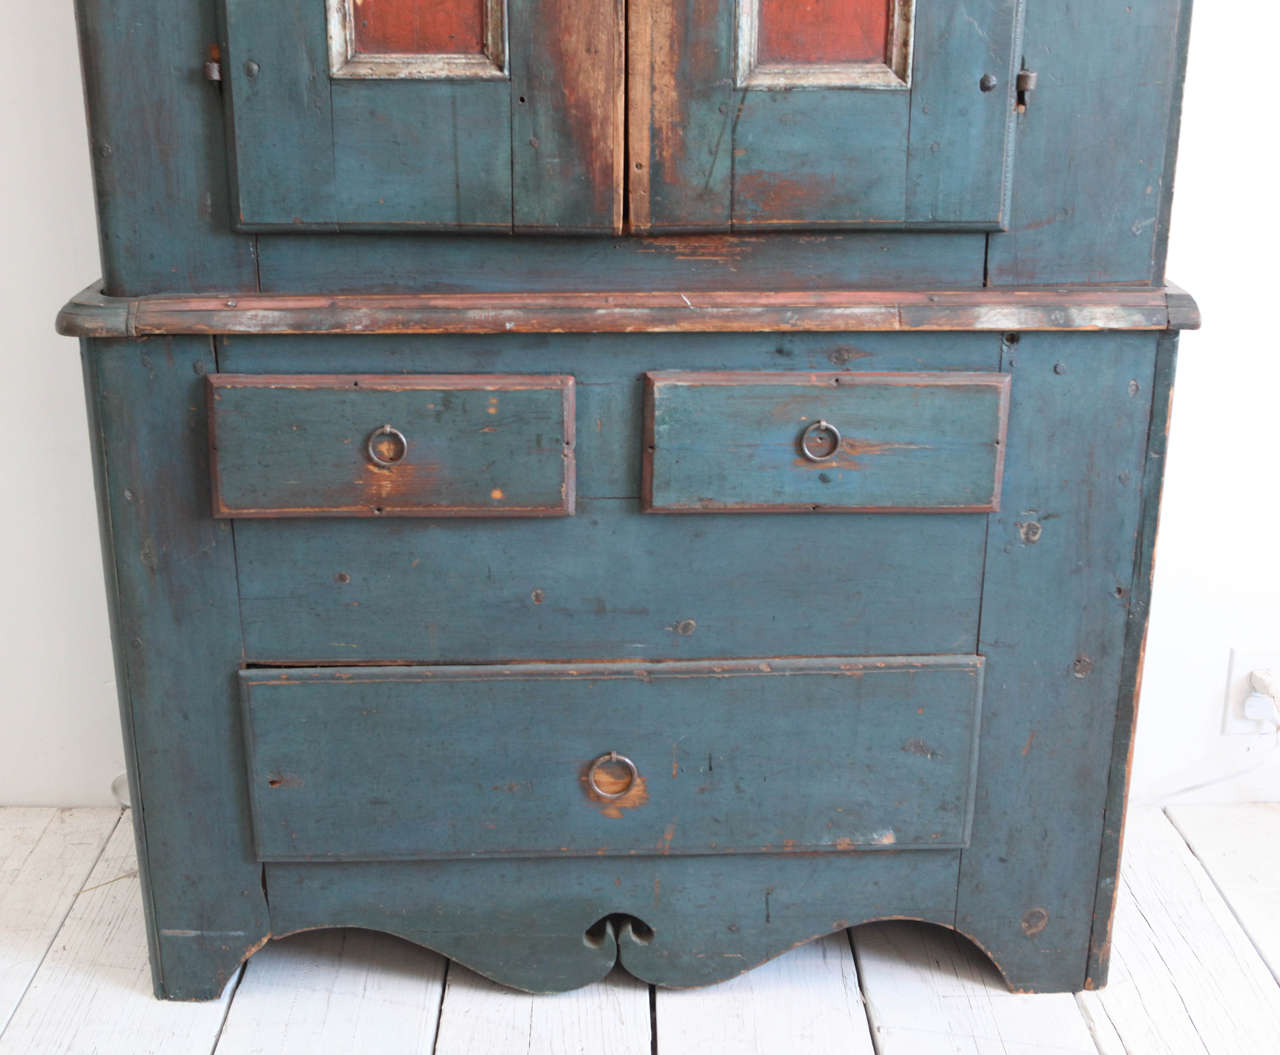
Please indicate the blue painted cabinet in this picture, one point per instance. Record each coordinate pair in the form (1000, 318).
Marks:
(666, 594)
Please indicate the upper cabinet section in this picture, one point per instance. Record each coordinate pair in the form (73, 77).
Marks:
(508, 115)
(481, 115)
(768, 114)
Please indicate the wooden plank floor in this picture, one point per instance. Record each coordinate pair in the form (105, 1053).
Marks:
(1197, 946)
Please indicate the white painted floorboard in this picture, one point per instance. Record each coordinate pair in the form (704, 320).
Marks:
(481, 1018)
(931, 992)
(806, 1002)
(1240, 848)
(92, 993)
(334, 992)
(1186, 977)
(45, 857)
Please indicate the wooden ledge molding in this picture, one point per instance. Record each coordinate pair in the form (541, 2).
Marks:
(92, 314)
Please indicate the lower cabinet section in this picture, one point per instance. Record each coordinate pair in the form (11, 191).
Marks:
(613, 759)
(320, 736)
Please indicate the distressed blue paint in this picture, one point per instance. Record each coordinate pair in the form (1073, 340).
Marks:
(1059, 578)
(300, 445)
(706, 918)
(779, 755)
(1051, 590)
(763, 442)
(608, 583)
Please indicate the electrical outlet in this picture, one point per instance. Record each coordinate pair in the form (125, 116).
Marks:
(1239, 687)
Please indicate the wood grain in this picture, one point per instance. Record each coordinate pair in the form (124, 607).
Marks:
(1094, 180)
(1238, 845)
(298, 445)
(94, 315)
(409, 27)
(807, 1000)
(45, 857)
(568, 64)
(337, 990)
(479, 1017)
(170, 573)
(478, 263)
(1135, 644)
(158, 147)
(94, 986)
(814, 31)
(312, 151)
(709, 918)
(510, 777)
(929, 990)
(1184, 974)
(910, 442)
(1061, 561)
(607, 583)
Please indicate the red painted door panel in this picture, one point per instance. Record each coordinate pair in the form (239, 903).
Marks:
(810, 31)
(414, 28)
(757, 115)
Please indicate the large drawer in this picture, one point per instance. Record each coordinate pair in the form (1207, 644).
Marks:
(783, 755)
(766, 442)
(498, 445)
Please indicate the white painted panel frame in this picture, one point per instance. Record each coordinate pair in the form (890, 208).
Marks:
(896, 74)
(345, 63)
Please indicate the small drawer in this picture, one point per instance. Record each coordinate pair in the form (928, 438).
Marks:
(824, 442)
(590, 759)
(443, 445)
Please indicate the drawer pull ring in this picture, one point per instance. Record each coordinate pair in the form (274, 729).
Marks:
(615, 759)
(820, 442)
(387, 452)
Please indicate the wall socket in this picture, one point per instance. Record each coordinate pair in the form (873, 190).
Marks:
(1244, 663)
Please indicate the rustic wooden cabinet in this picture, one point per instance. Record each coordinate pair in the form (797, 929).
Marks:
(649, 482)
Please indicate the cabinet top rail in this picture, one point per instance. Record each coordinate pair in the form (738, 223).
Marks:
(92, 314)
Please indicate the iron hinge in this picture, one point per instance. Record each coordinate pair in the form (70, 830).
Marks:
(213, 71)
(1027, 80)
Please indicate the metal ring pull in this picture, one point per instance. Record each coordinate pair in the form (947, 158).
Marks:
(825, 437)
(633, 774)
(382, 459)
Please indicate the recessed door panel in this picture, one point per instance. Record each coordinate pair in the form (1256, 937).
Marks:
(473, 115)
(760, 114)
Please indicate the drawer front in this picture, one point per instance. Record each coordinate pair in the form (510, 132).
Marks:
(377, 445)
(612, 759)
(836, 442)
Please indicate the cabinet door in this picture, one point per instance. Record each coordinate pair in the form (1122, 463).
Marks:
(473, 115)
(760, 114)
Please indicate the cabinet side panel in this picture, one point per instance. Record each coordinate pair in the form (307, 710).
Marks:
(1095, 151)
(155, 127)
(1056, 599)
(177, 639)
(1131, 678)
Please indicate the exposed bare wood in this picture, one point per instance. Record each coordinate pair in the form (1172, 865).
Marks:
(91, 314)
(639, 118)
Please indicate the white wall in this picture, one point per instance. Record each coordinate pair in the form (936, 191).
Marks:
(1218, 558)
(59, 733)
(1218, 582)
